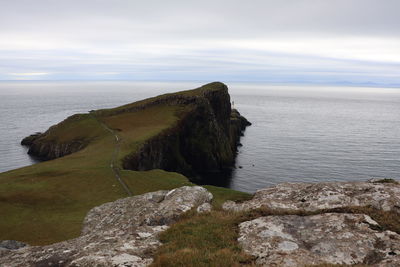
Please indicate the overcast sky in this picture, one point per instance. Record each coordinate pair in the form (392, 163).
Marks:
(280, 41)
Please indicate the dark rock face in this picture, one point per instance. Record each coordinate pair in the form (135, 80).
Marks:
(238, 124)
(45, 147)
(45, 150)
(28, 141)
(205, 139)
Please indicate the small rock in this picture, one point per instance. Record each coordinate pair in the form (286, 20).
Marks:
(230, 205)
(203, 208)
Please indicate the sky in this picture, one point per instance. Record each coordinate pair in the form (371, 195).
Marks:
(274, 41)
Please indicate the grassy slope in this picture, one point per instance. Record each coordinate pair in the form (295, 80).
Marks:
(46, 202)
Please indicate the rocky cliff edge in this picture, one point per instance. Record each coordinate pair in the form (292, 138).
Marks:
(292, 224)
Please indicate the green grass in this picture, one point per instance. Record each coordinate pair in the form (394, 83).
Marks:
(223, 194)
(202, 240)
(47, 202)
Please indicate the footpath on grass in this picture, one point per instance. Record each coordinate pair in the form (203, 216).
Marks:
(114, 167)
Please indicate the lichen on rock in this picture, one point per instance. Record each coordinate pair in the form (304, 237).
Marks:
(312, 239)
(120, 233)
(325, 238)
(318, 196)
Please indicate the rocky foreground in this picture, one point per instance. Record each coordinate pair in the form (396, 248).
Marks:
(124, 232)
(336, 238)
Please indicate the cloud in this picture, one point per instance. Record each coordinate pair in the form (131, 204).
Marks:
(284, 40)
(29, 74)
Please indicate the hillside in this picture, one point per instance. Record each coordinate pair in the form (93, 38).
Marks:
(108, 154)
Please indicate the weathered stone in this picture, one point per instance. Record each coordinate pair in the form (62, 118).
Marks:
(312, 197)
(120, 233)
(326, 238)
(11, 244)
(203, 208)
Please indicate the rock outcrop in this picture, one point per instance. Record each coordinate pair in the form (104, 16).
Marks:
(325, 238)
(125, 232)
(319, 196)
(120, 233)
(28, 141)
(334, 238)
(46, 146)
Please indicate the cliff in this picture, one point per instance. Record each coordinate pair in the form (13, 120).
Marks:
(292, 224)
(203, 139)
(58, 140)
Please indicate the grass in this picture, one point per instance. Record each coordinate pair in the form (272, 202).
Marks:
(202, 240)
(223, 194)
(210, 239)
(47, 202)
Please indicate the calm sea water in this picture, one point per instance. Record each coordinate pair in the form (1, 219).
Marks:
(298, 133)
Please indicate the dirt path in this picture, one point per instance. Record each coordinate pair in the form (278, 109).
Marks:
(114, 157)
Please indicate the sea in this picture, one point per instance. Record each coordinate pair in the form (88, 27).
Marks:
(299, 133)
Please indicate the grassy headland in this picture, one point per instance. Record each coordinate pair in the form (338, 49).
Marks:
(46, 202)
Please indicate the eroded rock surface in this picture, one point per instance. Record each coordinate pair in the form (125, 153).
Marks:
(318, 196)
(11, 244)
(120, 233)
(204, 208)
(326, 238)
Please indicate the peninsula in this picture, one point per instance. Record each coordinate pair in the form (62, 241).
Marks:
(108, 154)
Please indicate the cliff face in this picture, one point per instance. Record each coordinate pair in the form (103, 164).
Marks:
(51, 150)
(47, 146)
(204, 140)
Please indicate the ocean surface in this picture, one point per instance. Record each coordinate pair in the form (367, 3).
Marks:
(299, 133)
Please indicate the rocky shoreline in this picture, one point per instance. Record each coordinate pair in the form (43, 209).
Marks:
(315, 231)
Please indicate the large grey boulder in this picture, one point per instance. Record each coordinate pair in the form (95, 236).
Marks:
(318, 196)
(120, 233)
(326, 238)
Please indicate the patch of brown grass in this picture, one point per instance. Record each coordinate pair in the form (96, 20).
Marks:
(386, 181)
